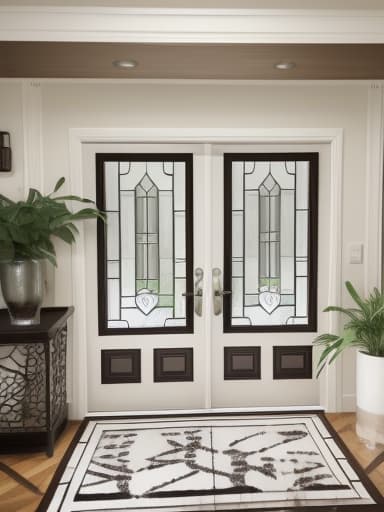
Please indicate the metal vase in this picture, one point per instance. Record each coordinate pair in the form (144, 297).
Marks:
(22, 287)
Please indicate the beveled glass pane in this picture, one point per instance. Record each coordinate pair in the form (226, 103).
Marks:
(180, 268)
(179, 185)
(238, 177)
(237, 268)
(166, 241)
(284, 174)
(113, 269)
(270, 241)
(302, 268)
(128, 244)
(161, 174)
(237, 238)
(179, 307)
(302, 233)
(251, 300)
(132, 174)
(113, 239)
(301, 296)
(146, 243)
(251, 242)
(112, 186)
(255, 174)
(274, 257)
(302, 172)
(237, 297)
(179, 221)
(113, 299)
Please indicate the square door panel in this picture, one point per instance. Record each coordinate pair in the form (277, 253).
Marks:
(171, 364)
(120, 366)
(292, 362)
(241, 363)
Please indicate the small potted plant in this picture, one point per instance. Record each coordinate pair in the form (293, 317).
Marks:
(26, 232)
(364, 330)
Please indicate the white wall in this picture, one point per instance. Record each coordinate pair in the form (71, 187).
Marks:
(11, 120)
(83, 104)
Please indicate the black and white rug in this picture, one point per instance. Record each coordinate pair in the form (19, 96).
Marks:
(209, 462)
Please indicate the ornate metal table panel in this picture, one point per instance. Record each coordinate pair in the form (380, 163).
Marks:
(33, 405)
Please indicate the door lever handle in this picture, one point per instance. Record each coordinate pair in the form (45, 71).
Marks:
(218, 292)
(198, 292)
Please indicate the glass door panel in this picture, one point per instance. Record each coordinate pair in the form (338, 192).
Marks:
(146, 246)
(270, 226)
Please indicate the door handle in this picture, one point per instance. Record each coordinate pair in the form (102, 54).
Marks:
(198, 292)
(218, 292)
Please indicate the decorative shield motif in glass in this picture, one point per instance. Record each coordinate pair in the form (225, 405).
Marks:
(270, 241)
(145, 248)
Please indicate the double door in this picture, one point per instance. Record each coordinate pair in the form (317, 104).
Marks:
(203, 286)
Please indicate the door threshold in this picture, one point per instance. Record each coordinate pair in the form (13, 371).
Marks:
(295, 408)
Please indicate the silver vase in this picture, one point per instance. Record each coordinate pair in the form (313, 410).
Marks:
(22, 287)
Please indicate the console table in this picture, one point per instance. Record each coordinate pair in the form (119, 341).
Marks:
(33, 400)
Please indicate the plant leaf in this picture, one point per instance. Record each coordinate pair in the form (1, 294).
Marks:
(7, 251)
(59, 184)
(74, 198)
(64, 234)
(355, 296)
(31, 195)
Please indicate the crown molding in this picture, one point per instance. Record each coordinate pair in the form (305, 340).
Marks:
(104, 24)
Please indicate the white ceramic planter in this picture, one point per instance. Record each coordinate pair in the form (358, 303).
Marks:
(370, 398)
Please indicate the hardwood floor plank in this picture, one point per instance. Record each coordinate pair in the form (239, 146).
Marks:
(39, 468)
(36, 467)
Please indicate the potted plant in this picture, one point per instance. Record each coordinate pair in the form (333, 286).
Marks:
(26, 232)
(364, 330)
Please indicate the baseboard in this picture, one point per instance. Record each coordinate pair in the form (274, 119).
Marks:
(348, 403)
(199, 411)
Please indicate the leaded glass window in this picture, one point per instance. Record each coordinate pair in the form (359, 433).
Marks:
(270, 241)
(145, 249)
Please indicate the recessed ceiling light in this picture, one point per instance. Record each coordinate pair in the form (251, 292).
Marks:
(285, 65)
(127, 63)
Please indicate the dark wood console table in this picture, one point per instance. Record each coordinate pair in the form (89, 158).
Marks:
(33, 399)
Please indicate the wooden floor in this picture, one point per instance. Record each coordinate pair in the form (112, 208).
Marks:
(39, 469)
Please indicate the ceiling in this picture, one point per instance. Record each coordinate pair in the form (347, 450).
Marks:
(191, 61)
(222, 4)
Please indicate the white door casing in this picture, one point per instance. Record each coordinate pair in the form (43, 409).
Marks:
(80, 139)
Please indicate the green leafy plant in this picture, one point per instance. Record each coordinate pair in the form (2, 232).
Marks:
(26, 227)
(364, 329)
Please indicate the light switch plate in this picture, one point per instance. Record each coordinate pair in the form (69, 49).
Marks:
(356, 253)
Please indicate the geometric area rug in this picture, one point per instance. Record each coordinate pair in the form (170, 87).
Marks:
(249, 461)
